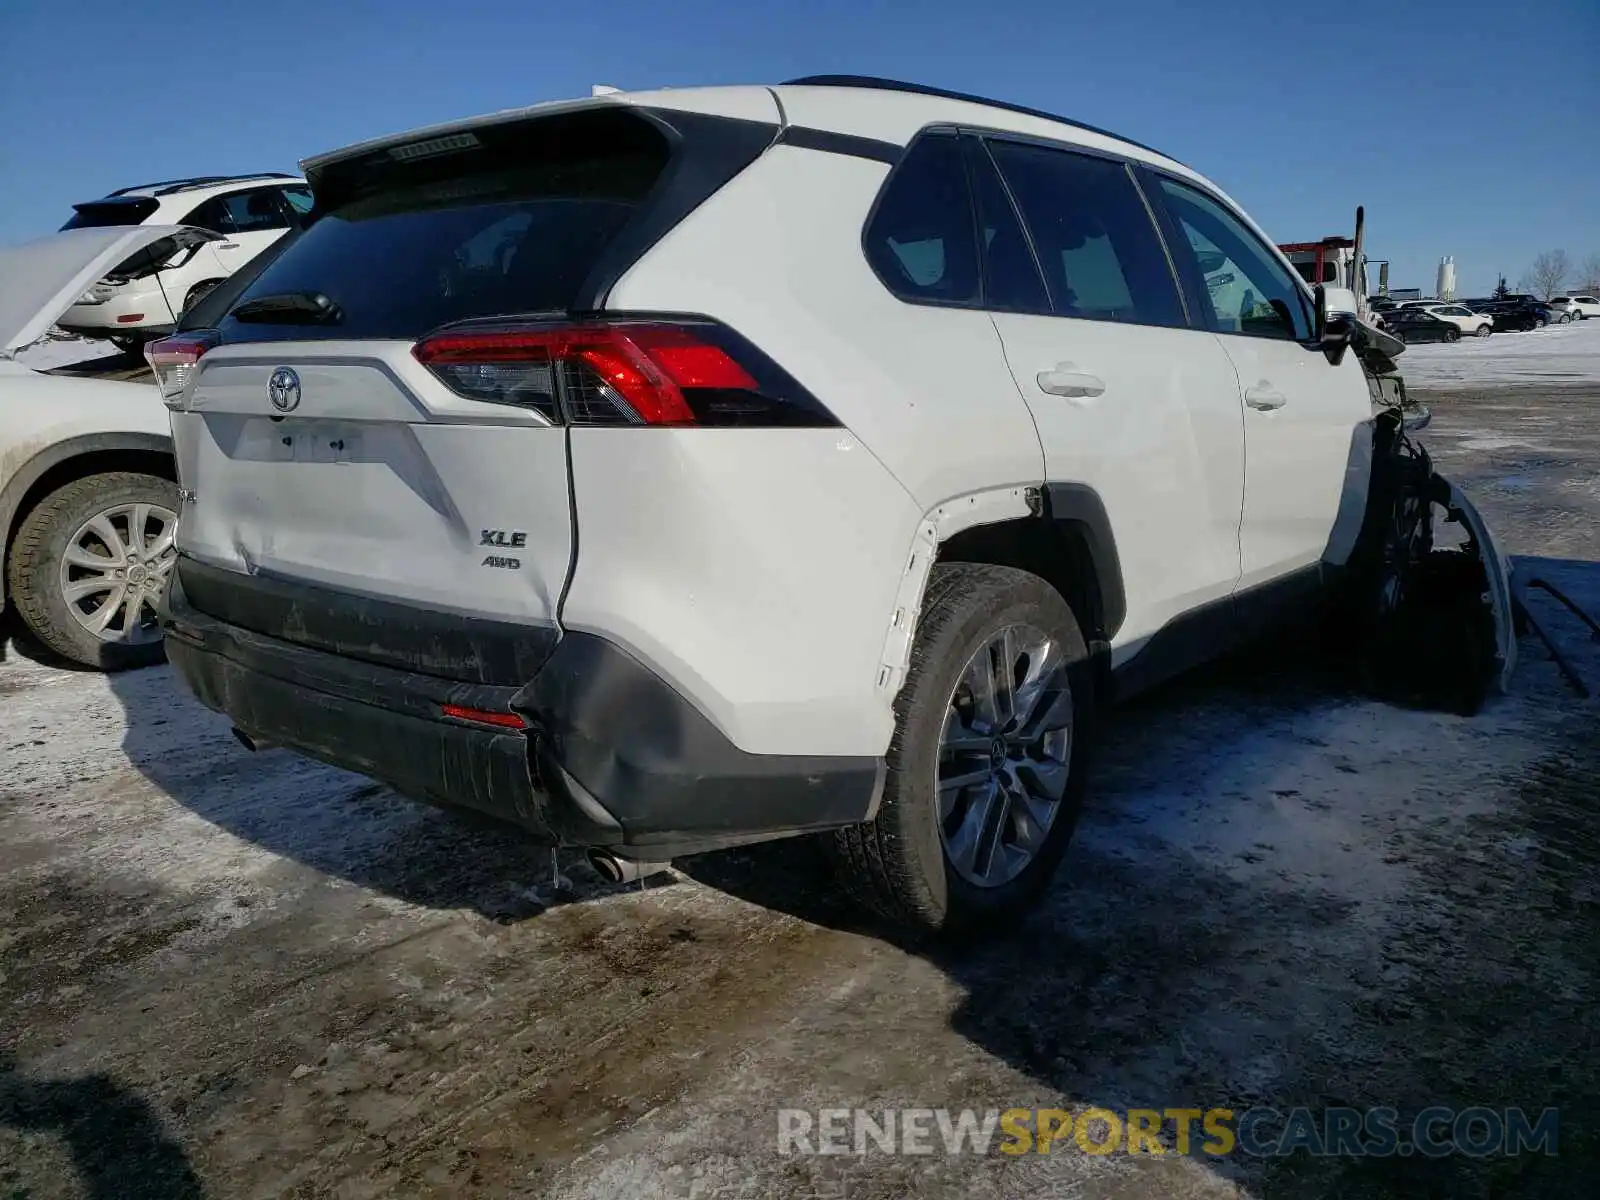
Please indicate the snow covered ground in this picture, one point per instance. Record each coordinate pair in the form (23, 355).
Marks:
(1558, 354)
(248, 975)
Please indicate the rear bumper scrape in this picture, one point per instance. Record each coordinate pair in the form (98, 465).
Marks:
(614, 756)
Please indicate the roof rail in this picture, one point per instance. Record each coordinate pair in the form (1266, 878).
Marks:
(167, 186)
(895, 85)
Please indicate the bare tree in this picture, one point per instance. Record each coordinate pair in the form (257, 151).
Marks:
(1548, 273)
(1588, 276)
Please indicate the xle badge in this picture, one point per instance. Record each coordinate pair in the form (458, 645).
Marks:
(515, 539)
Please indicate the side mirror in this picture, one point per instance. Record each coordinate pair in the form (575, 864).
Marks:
(1337, 321)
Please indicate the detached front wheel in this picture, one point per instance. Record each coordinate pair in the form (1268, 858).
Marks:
(90, 565)
(985, 772)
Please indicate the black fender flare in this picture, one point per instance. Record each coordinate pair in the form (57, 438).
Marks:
(14, 489)
(1080, 504)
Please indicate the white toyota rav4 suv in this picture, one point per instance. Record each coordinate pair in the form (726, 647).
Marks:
(228, 220)
(665, 471)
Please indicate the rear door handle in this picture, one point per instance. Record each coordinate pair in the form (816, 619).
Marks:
(227, 245)
(1263, 398)
(1067, 380)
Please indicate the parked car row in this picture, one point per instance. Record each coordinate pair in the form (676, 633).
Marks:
(1478, 317)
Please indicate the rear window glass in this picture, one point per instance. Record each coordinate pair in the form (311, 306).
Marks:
(131, 210)
(513, 223)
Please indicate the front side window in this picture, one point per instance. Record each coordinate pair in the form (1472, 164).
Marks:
(255, 212)
(920, 240)
(1102, 257)
(210, 215)
(1249, 290)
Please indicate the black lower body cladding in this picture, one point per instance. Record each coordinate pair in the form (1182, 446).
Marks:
(613, 755)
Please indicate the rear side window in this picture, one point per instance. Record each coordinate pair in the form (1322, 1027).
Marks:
(1011, 281)
(119, 210)
(1094, 237)
(509, 219)
(920, 240)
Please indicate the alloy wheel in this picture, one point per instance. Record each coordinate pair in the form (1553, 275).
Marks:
(1005, 755)
(115, 572)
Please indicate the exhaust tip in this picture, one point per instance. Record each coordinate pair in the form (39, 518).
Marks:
(248, 742)
(605, 865)
(614, 869)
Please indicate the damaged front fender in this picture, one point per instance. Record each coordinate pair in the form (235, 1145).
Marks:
(1497, 570)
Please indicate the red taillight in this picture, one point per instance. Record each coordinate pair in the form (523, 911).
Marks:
(483, 716)
(626, 372)
(173, 359)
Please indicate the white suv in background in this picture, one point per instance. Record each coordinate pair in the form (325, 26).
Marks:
(1575, 308)
(231, 219)
(1471, 324)
(665, 471)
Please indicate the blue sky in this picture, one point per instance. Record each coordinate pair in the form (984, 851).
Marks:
(1469, 128)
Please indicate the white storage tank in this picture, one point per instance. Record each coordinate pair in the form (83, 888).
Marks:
(1446, 287)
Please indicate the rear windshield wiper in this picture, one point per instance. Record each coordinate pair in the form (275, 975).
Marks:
(290, 308)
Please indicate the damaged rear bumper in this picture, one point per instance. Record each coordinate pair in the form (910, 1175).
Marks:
(611, 756)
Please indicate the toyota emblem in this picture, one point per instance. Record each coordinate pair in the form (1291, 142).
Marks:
(283, 389)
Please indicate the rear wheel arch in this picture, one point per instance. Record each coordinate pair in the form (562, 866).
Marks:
(1069, 543)
(61, 463)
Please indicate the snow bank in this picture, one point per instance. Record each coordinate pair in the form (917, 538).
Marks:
(1558, 354)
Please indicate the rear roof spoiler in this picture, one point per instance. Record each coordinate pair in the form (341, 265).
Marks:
(507, 116)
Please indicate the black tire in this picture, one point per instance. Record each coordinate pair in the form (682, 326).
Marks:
(896, 863)
(128, 343)
(34, 565)
(1540, 323)
(1483, 331)
(1452, 335)
(198, 293)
